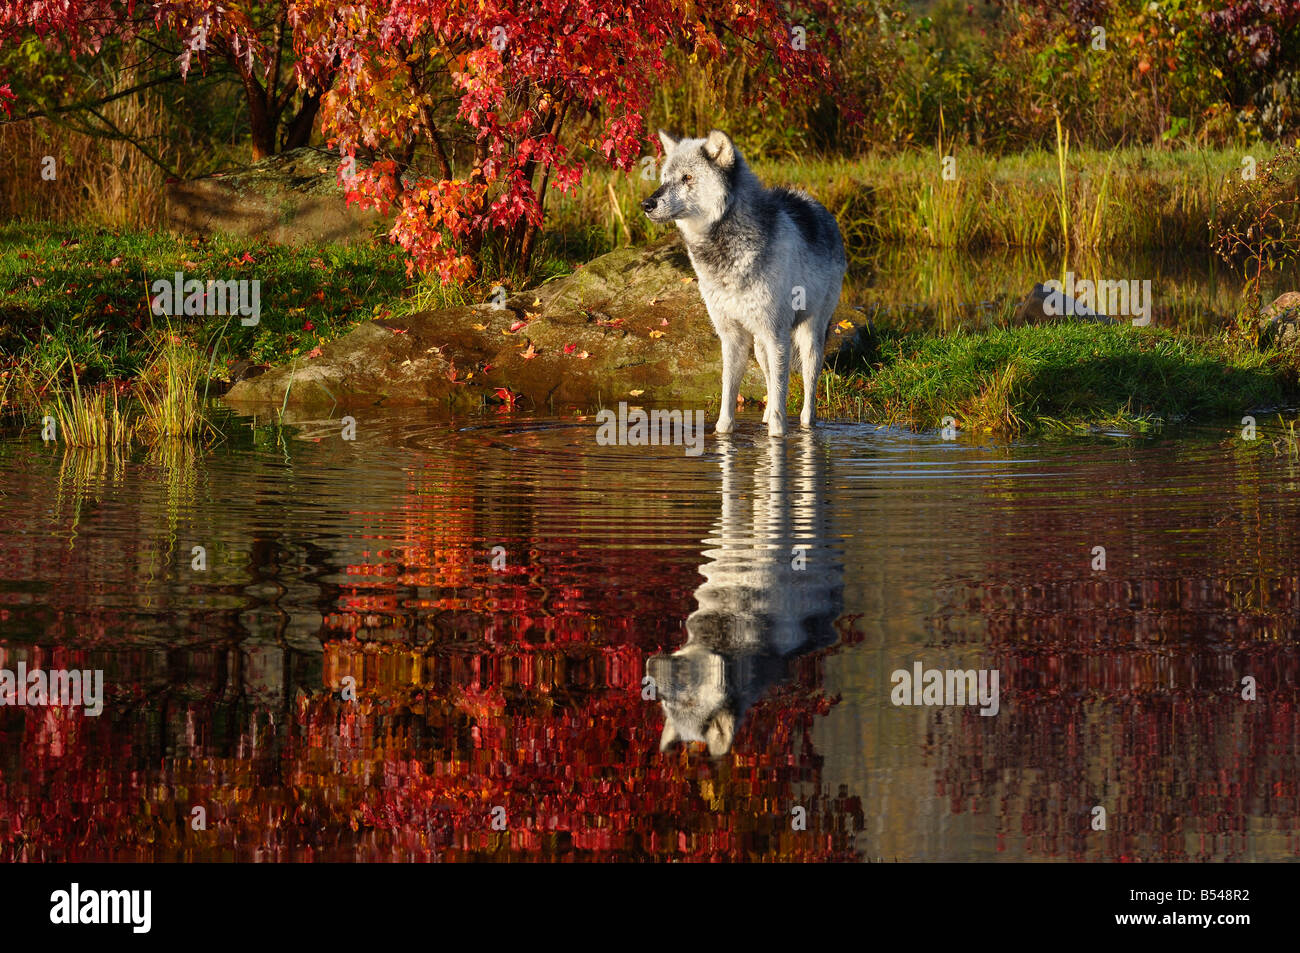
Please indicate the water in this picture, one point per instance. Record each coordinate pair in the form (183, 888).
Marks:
(943, 289)
(799, 576)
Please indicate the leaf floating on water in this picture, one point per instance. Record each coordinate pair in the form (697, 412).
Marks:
(480, 327)
(663, 322)
(517, 325)
(636, 393)
(570, 348)
(584, 355)
(845, 324)
(529, 354)
(656, 334)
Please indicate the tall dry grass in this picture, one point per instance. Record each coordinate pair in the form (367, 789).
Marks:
(96, 179)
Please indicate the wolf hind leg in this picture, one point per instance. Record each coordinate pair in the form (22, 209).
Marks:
(760, 352)
(810, 345)
(735, 355)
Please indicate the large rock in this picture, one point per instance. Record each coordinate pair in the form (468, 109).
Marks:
(288, 198)
(1033, 310)
(1279, 322)
(628, 326)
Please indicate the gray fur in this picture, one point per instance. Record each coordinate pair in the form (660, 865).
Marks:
(751, 248)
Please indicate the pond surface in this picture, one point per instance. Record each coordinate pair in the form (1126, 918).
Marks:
(350, 667)
(943, 289)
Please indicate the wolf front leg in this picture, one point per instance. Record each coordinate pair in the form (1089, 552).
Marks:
(778, 383)
(735, 355)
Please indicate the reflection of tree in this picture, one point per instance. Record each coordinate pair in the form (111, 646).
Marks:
(1123, 689)
(476, 689)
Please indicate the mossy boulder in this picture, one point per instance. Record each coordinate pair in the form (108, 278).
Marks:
(627, 326)
(1279, 322)
(289, 198)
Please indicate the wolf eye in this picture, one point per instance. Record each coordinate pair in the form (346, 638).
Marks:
(687, 179)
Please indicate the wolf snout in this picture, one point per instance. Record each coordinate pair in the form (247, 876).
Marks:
(648, 205)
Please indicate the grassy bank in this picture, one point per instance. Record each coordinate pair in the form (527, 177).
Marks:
(1057, 379)
(79, 342)
(83, 291)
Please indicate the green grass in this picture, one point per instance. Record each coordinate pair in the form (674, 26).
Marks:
(1062, 378)
(81, 291)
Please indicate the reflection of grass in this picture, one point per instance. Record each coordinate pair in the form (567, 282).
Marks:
(81, 469)
(1054, 378)
(177, 461)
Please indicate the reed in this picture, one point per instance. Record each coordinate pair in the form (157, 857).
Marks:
(94, 419)
(170, 391)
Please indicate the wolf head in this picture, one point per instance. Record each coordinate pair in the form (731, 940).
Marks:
(698, 703)
(699, 179)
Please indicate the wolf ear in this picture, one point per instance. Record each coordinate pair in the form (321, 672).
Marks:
(669, 736)
(667, 141)
(720, 149)
(721, 733)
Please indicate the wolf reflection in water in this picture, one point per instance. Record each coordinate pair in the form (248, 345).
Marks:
(773, 588)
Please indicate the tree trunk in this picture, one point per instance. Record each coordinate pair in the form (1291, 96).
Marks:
(298, 132)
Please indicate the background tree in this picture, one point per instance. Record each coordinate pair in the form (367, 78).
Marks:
(465, 113)
(157, 43)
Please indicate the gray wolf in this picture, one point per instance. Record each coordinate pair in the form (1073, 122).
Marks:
(773, 588)
(770, 264)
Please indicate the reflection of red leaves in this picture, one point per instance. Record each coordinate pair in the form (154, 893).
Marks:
(508, 397)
